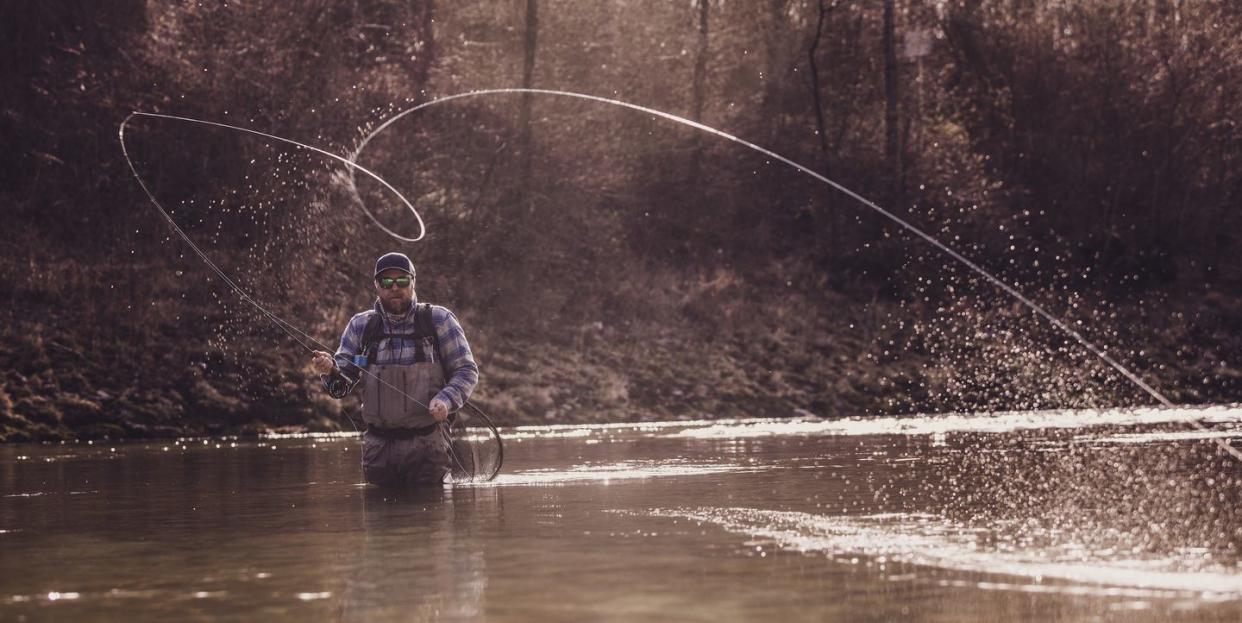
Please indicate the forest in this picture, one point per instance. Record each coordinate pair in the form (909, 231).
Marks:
(607, 264)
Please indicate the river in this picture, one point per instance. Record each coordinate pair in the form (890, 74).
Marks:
(1086, 515)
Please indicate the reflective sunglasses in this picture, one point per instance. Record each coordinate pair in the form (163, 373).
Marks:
(388, 282)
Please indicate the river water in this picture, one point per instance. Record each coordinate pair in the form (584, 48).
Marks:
(1042, 516)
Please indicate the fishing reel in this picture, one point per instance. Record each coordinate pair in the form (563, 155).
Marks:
(338, 384)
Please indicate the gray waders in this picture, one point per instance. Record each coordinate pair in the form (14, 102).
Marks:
(403, 444)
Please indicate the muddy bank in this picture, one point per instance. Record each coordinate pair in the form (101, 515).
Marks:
(822, 354)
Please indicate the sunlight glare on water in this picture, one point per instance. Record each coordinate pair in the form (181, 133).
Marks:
(1072, 515)
(927, 540)
(626, 470)
(987, 422)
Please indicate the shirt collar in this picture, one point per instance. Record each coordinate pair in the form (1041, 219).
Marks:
(392, 319)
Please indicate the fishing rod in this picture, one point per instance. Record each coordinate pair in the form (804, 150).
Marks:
(301, 337)
(865, 202)
(353, 167)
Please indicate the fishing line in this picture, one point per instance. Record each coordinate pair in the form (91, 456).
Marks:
(299, 336)
(292, 331)
(348, 162)
(352, 166)
(1030, 304)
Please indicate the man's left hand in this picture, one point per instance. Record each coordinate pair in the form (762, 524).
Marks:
(438, 410)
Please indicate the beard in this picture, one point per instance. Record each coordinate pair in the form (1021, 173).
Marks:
(396, 305)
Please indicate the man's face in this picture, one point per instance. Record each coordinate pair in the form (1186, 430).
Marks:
(396, 298)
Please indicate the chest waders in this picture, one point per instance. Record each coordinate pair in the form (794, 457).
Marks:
(396, 396)
(394, 455)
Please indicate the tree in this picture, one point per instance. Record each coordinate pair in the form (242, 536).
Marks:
(824, 7)
(526, 139)
(892, 132)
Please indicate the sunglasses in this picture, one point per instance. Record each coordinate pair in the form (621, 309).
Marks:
(388, 282)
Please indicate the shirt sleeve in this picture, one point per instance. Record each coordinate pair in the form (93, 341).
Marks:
(342, 380)
(350, 341)
(458, 363)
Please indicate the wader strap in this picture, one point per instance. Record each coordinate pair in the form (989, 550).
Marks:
(371, 336)
(424, 327)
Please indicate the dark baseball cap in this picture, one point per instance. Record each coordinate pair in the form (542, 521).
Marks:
(397, 261)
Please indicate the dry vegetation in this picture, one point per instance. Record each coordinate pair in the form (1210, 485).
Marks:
(607, 265)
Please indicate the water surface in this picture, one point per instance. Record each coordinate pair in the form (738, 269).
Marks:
(1043, 516)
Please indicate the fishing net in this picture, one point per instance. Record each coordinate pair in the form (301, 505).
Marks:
(478, 451)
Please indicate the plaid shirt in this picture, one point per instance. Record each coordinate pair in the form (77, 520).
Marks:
(460, 371)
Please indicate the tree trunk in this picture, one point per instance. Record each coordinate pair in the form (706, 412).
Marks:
(777, 64)
(821, 128)
(698, 96)
(424, 14)
(892, 146)
(700, 63)
(526, 138)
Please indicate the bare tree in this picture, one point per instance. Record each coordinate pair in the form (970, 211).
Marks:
(892, 148)
(700, 62)
(700, 77)
(526, 140)
(821, 130)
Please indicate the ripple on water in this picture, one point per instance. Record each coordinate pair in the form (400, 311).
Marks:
(930, 541)
(625, 470)
(1161, 436)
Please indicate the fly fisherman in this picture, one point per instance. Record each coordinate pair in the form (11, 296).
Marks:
(418, 370)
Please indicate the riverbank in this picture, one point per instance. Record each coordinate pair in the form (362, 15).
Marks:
(68, 375)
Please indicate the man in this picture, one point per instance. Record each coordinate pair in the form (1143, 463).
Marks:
(416, 367)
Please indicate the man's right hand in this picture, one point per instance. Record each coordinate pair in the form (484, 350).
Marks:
(323, 362)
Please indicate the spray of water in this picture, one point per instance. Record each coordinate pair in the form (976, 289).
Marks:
(353, 166)
(303, 339)
(1012, 291)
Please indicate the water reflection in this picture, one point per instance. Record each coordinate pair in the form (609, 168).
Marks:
(1052, 517)
(421, 557)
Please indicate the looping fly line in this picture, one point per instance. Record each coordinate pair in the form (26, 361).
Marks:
(353, 167)
(301, 337)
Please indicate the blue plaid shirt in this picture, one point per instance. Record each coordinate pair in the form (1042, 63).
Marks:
(460, 371)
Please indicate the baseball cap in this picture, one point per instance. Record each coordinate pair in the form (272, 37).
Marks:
(398, 261)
